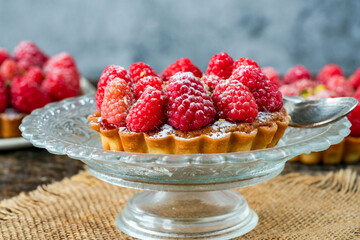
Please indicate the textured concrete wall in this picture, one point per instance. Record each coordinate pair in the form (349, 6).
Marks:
(278, 33)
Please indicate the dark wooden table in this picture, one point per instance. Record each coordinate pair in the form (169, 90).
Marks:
(26, 169)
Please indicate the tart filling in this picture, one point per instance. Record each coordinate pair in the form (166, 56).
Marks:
(29, 79)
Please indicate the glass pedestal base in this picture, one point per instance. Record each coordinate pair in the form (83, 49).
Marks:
(186, 215)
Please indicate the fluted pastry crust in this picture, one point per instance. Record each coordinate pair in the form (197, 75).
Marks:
(347, 151)
(262, 133)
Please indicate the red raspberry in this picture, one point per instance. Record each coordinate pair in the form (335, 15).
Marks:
(289, 90)
(118, 99)
(62, 60)
(354, 118)
(61, 84)
(139, 70)
(357, 94)
(355, 79)
(27, 96)
(340, 86)
(211, 81)
(3, 95)
(9, 69)
(243, 61)
(61, 69)
(189, 106)
(149, 111)
(181, 65)
(266, 93)
(248, 75)
(110, 72)
(34, 74)
(141, 85)
(234, 102)
(220, 65)
(272, 75)
(4, 54)
(267, 96)
(329, 71)
(296, 73)
(28, 54)
(303, 84)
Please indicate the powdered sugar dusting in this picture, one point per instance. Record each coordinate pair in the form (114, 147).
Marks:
(123, 129)
(219, 130)
(264, 116)
(220, 124)
(181, 76)
(164, 131)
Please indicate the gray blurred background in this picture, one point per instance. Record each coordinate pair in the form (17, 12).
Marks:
(277, 33)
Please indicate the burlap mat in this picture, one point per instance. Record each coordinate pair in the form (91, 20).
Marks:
(289, 207)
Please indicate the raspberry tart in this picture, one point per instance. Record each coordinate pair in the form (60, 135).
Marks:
(178, 113)
(330, 82)
(29, 80)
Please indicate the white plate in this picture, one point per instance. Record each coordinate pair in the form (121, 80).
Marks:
(13, 143)
(19, 142)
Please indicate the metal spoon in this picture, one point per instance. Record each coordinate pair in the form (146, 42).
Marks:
(316, 113)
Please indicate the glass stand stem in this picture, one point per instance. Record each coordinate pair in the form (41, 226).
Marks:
(186, 215)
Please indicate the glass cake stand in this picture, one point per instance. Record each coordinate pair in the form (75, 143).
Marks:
(186, 196)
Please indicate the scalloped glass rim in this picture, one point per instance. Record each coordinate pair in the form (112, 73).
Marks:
(33, 129)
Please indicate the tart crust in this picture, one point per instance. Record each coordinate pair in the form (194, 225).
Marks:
(10, 121)
(219, 137)
(347, 151)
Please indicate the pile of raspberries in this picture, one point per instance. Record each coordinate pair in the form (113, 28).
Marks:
(30, 79)
(181, 96)
(330, 82)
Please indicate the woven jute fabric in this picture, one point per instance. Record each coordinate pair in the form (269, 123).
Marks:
(289, 207)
